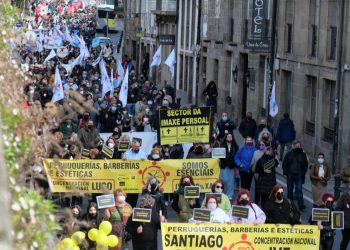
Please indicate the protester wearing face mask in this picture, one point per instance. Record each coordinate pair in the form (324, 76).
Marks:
(73, 223)
(266, 169)
(227, 165)
(110, 118)
(255, 215)
(144, 235)
(243, 159)
(135, 153)
(218, 187)
(155, 155)
(88, 135)
(197, 151)
(280, 210)
(295, 166)
(184, 207)
(118, 215)
(152, 188)
(217, 215)
(319, 175)
(257, 155)
(225, 125)
(92, 217)
(343, 204)
(327, 233)
(84, 120)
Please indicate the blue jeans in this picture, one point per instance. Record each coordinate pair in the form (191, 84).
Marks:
(297, 181)
(227, 177)
(131, 108)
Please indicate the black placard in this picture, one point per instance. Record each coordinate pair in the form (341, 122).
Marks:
(320, 214)
(141, 214)
(191, 192)
(240, 212)
(200, 214)
(217, 195)
(337, 220)
(123, 146)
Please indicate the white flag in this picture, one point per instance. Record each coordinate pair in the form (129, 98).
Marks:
(105, 81)
(58, 88)
(157, 57)
(273, 104)
(123, 94)
(171, 61)
(50, 56)
(119, 74)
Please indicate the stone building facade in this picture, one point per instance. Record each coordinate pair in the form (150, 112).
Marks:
(210, 46)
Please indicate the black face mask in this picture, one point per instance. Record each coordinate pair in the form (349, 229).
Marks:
(244, 202)
(329, 204)
(136, 150)
(89, 126)
(279, 196)
(153, 186)
(186, 184)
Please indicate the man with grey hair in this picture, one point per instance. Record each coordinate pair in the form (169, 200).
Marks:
(295, 165)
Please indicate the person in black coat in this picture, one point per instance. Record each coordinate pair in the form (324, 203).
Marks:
(152, 188)
(285, 134)
(279, 210)
(225, 125)
(228, 164)
(295, 165)
(211, 94)
(248, 126)
(144, 234)
(266, 169)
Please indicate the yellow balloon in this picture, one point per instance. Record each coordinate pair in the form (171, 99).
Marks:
(105, 227)
(67, 243)
(75, 248)
(93, 233)
(102, 239)
(78, 237)
(112, 240)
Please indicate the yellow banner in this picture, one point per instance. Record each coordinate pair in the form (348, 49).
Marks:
(103, 176)
(176, 236)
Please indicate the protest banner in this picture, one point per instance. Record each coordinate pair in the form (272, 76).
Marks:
(104, 201)
(184, 125)
(239, 236)
(104, 176)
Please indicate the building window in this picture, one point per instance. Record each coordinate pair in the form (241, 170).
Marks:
(288, 38)
(332, 43)
(311, 105)
(313, 40)
(328, 110)
(134, 50)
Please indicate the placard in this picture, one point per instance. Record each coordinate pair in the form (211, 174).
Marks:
(184, 125)
(201, 214)
(320, 214)
(217, 195)
(191, 192)
(85, 153)
(218, 153)
(108, 151)
(240, 212)
(123, 146)
(141, 214)
(337, 221)
(270, 164)
(104, 201)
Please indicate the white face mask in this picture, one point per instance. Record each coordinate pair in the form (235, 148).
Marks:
(111, 145)
(155, 156)
(211, 206)
(320, 160)
(218, 190)
(121, 198)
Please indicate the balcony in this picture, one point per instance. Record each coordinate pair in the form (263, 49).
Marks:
(165, 7)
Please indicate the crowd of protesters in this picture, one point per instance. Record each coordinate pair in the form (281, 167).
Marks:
(257, 159)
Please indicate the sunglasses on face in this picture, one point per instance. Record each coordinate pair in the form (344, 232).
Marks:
(219, 187)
